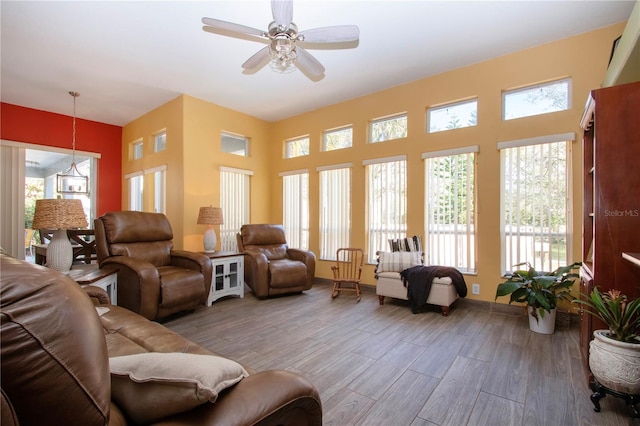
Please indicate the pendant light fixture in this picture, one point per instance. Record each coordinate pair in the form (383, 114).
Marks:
(72, 181)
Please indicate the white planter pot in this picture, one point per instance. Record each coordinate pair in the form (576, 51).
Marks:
(545, 325)
(614, 364)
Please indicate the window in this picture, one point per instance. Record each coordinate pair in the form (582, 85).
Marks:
(535, 202)
(450, 208)
(337, 138)
(335, 209)
(386, 201)
(538, 99)
(235, 203)
(453, 116)
(136, 150)
(295, 208)
(160, 141)
(296, 147)
(136, 187)
(386, 129)
(234, 144)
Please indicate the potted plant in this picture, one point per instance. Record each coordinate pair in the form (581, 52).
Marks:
(540, 292)
(614, 354)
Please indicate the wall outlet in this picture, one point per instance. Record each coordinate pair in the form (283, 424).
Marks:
(475, 288)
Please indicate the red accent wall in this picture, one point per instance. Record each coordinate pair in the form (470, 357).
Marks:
(34, 126)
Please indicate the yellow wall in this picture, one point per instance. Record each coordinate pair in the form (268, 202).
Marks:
(193, 139)
(583, 58)
(192, 157)
(166, 117)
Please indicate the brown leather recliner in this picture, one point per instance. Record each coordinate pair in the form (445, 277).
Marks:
(270, 266)
(154, 280)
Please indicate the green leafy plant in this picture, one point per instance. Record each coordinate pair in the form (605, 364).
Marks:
(539, 290)
(621, 316)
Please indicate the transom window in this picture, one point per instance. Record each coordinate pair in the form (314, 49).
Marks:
(453, 116)
(160, 141)
(234, 144)
(388, 128)
(297, 147)
(337, 138)
(535, 202)
(135, 148)
(450, 208)
(535, 100)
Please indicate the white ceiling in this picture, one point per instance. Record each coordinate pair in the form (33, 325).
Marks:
(128, 57)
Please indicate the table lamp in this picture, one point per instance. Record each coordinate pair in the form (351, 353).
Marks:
(59, 214)
(210, 216)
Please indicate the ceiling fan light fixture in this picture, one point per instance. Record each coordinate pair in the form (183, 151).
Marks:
(283, 55)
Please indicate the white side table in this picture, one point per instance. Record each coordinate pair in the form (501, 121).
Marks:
(228, 275)
(105, 278)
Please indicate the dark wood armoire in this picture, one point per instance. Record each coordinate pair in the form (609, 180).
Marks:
(611, 208)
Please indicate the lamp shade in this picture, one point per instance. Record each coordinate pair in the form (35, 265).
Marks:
(59, 213)
(210, 216)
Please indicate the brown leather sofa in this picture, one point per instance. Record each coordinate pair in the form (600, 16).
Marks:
(55, 350)
(154, 280)
(271, 267)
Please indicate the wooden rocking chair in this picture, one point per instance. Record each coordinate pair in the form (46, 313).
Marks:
(347, 270)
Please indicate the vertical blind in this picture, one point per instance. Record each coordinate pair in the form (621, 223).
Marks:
(450, 209)
(387, 202)
(335, 210)
(235, 204)
(295, 208)
(535, 203)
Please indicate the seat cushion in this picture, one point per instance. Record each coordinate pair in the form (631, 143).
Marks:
(287, 273)
(179, 286)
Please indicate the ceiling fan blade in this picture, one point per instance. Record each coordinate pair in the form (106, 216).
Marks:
(282, 12)
(258, 60)
(308, 64)
(230, 26)
(337, 33)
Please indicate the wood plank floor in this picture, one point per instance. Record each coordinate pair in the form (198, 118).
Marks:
(383, 365)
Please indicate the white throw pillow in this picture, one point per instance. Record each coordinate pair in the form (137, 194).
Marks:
(151, 386)
(398, 261)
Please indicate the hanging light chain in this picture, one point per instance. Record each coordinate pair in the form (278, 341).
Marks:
(75, 95)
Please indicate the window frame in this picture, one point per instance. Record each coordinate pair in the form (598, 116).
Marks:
(335, 130)
(224, 136)
(506, 264)
(329, 214)
(438, 250)
(160, 136)
(451, 105)
(377, 239)
(389, 118)
(295, 212)
(235, 202)
(290, 141)
(506, 93)
(136, 147)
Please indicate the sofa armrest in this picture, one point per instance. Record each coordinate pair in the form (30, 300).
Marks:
(138, 285)
(272, 397)
(309, 259)
(97, 295)
(256, 274)
(194, 261)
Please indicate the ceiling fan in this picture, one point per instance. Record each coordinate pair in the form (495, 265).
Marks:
(285, 51)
